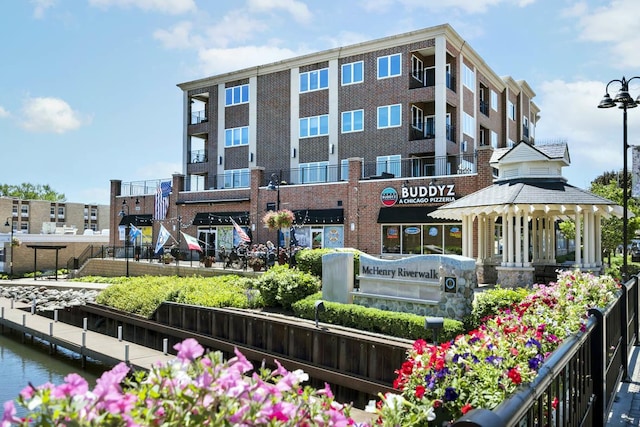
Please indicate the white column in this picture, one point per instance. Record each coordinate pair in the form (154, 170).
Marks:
(590, 238)
(525, 244)
(492, 236)
(578, 220)
(482, 231)
(440, 98)
(511, 246)
(505, 242)
(518, 238)
(598, 232)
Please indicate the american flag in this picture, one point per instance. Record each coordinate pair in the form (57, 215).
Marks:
(241, 233)
(162, 200)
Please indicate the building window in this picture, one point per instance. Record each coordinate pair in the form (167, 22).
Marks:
(389, 66)
(510, 143)
(468, 124)
(468, 77)
(388, 164)
(352, 73)
(494, 100)
(314, 126)
(417, 118)
(236, 136)
(196, 182)
(511, 110)
(60, 212)
(313, 172)
(236, 178)
(52, 211)
(352, 121)
(418, 239)
(314, 80)
(389, 116)
(344, 169)
(417, 68)
(24, 227)
(24, 211)
(236, 95)
(494, 139)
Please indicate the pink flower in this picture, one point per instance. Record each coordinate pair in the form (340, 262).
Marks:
(73, 385)
(189, 350)
(9, 415)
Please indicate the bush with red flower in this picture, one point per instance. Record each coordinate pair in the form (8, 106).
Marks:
(485, 366)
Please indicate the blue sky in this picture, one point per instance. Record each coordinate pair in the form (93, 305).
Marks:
(88, 87)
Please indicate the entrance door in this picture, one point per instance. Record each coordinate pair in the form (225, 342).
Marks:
(316, 238)
(208, 236)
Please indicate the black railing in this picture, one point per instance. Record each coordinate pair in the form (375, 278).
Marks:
(198, 117)
(484, 107)
(577, 384)
(197, 156)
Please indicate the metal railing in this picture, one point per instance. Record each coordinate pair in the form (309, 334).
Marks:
(198, 117)
(577, 384)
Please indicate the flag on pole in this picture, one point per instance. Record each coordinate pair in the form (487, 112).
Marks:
(163, 236)
(134, 233)
(241, 233)
(192, 242)
(162, 200)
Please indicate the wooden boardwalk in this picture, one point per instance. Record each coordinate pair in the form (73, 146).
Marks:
(106, 349)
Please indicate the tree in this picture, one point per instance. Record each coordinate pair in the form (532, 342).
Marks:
(27, 191)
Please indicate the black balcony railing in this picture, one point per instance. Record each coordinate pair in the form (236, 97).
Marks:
(484, 107)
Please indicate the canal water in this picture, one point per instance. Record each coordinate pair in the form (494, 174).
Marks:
(21, 364)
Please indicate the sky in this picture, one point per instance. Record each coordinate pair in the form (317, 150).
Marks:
(88, 88)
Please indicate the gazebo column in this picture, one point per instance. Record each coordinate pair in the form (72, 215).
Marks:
(598, 230)
(518, 238)
(525, 243)
(590, 239)
(492, 236)
(467, 236)
(510, 242)
(505, 241)
(578, 221)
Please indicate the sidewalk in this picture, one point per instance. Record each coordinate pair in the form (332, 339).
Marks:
(625, 410)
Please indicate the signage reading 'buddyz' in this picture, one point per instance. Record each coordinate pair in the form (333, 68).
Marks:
(419, 194)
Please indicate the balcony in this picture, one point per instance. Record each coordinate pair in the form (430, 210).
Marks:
(484, 107)
(427, 78)
(427, 130)
(198, 156)
(198, 117)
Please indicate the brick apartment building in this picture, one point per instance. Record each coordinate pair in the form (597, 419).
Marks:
(361, 142)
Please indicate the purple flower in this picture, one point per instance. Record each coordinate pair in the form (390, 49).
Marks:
(450, 394)
(534, 362)
(531, 342)
(9, 415)
(189, 350)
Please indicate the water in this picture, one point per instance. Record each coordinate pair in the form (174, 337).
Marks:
(21, 364)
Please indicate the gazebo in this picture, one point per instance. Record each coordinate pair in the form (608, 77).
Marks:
(515, 218)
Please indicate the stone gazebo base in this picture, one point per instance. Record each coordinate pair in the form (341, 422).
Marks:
(515, 277)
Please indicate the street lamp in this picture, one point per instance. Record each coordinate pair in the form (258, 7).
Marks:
(623, 101)
(274, 184)
(126, 235)
(8, 224)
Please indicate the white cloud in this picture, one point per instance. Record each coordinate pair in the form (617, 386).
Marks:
(49, 115)
(173, 7)
(40, 7)
(217, 61)
(178, 37)
(615, 25)
(569, 112)
(3, 112)
(475, 6)
(297, 9)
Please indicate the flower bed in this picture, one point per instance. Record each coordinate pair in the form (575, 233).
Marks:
(193, 390)
(483, 367)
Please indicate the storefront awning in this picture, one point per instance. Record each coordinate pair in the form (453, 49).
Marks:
(408, 215)
(143, 220)
(319, 216)
(221, 218)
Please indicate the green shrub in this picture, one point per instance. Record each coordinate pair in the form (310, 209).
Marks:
(491, 301)
(400, 325)
(281, 286)
(310, 260)
(143, 295)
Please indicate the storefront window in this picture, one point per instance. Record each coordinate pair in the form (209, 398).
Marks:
(411, 239)
(391, 239)
(453, 239)
(432, 239)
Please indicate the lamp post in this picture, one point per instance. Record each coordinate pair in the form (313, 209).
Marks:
(274, 184)
(623, 101)
(126, 235)
(10, 224)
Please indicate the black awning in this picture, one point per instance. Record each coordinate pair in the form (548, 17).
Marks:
(221, 218)
(319, 216)
(409, 215)
(144, 220)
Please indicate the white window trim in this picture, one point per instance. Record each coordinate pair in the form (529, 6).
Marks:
(389, 75)
(319, 127)
(231, 173)
(388, 107)
(232, 130)
(353, 81)
(308, 73)
(468, 73)
(352, 128)
(494, 100)
(232, 100)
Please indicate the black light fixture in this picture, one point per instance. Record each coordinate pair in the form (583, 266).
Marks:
(318, 307)
(126, 234)
(623, 101)
(435, 324)
(10, 224)
(274, 184)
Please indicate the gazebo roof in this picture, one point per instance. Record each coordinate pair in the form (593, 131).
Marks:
(545, 195)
